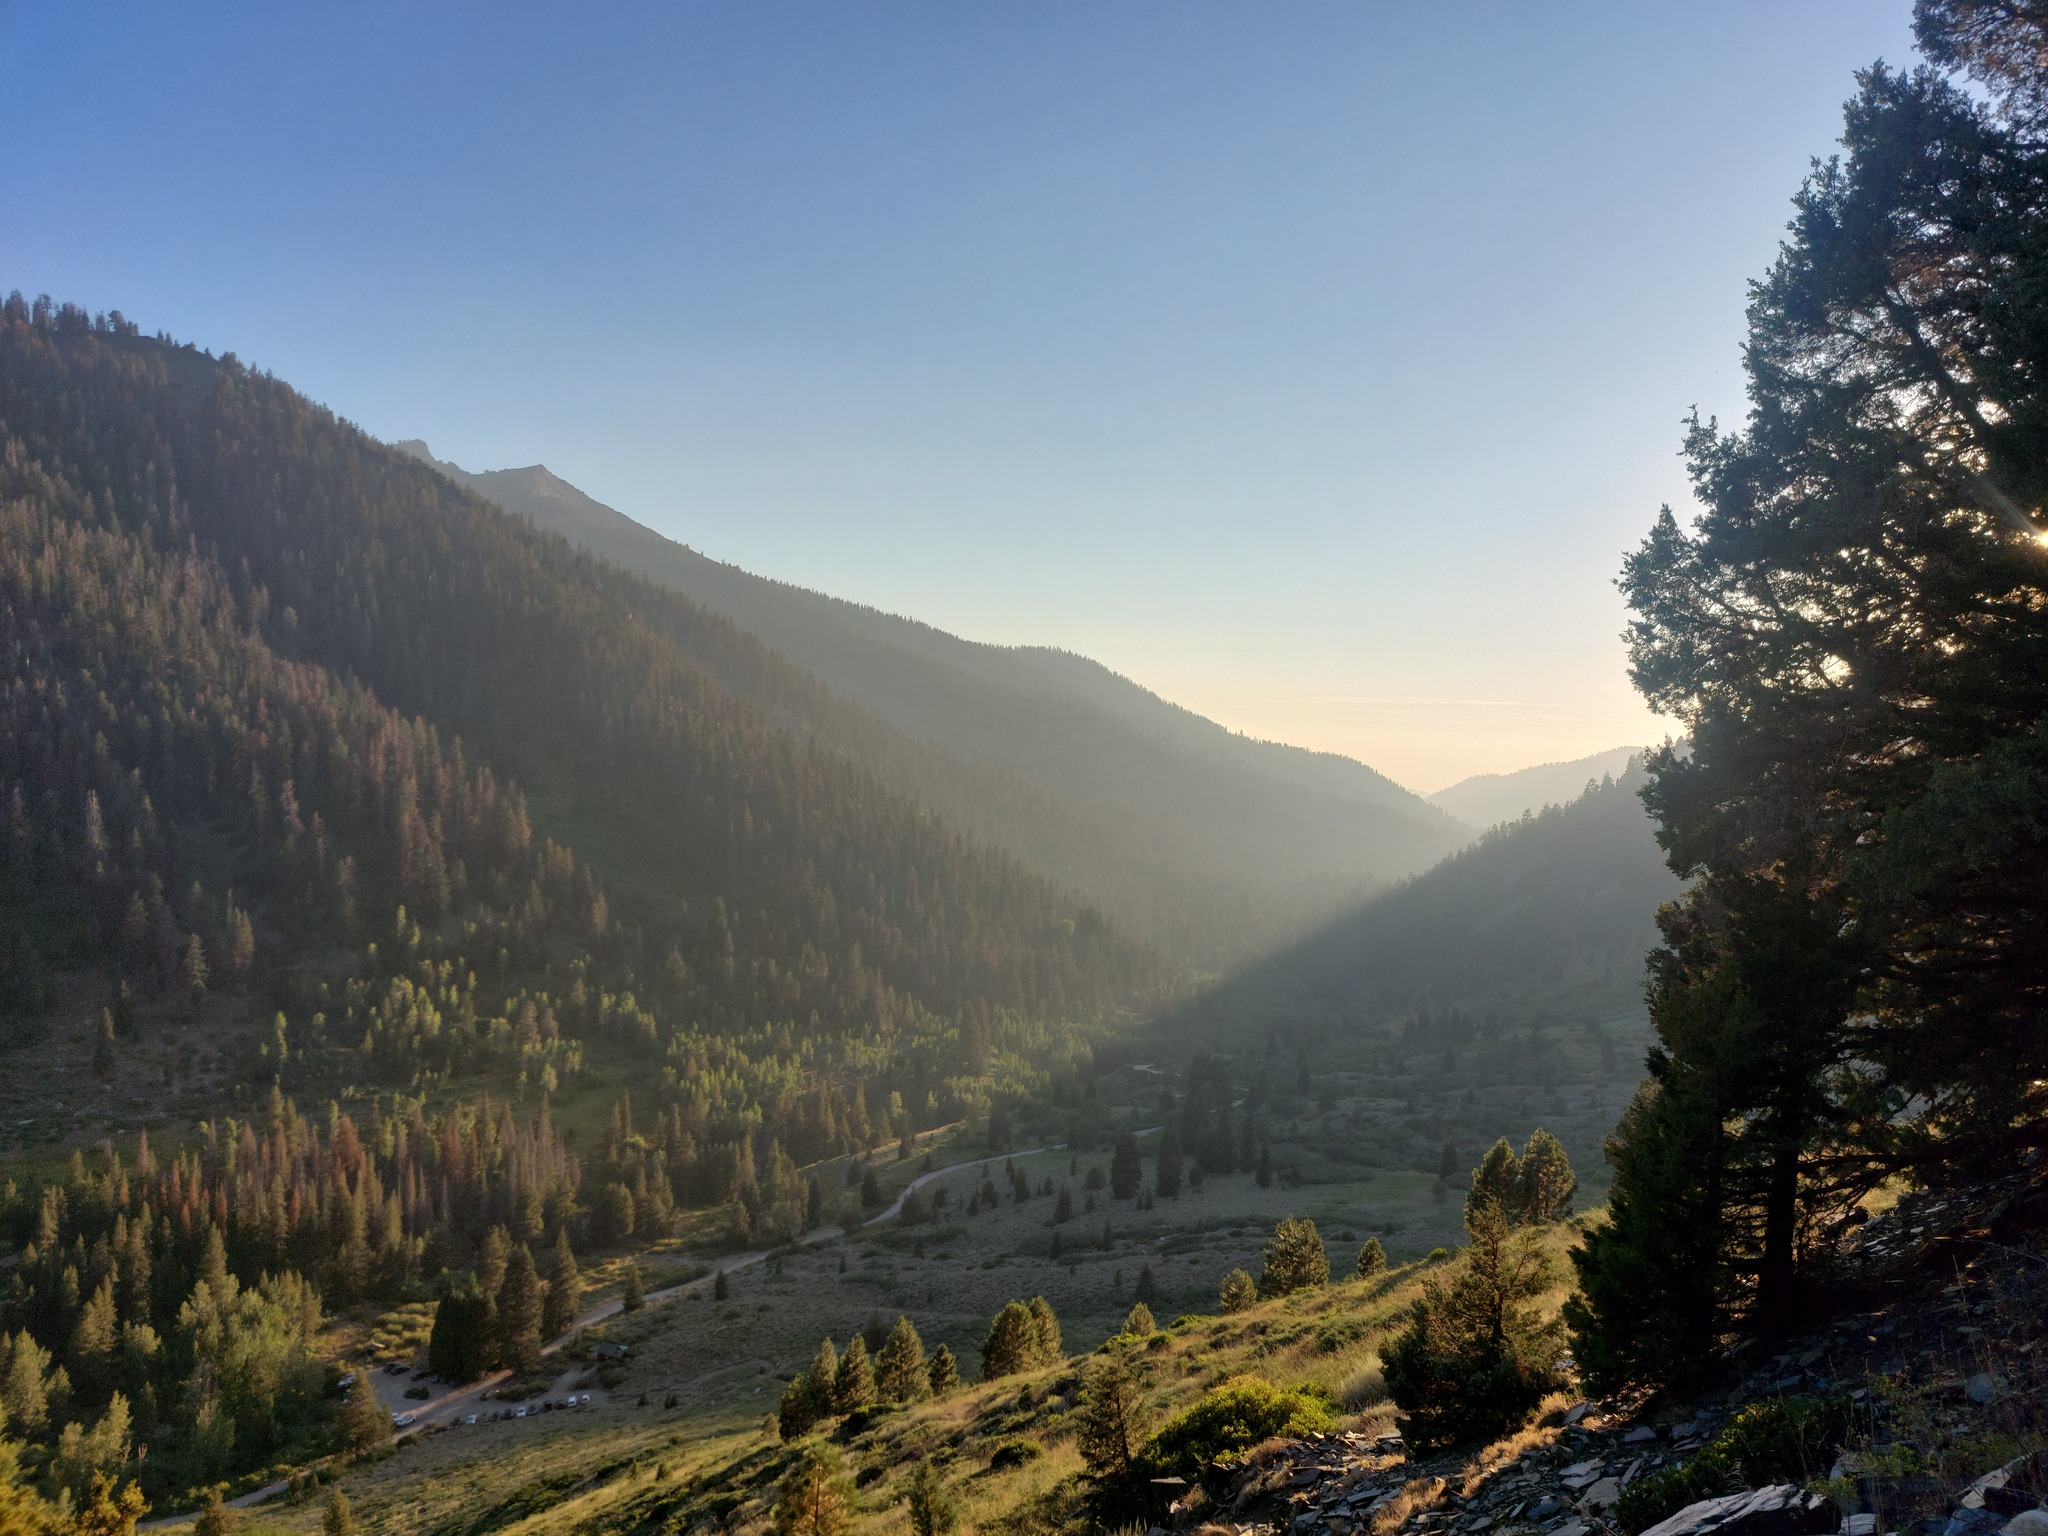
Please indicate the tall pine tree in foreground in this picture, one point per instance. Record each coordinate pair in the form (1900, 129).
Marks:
(1854, 638)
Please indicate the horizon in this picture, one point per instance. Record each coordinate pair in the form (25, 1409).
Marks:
(932, 312)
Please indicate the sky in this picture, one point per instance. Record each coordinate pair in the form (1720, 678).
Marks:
(1312, 364)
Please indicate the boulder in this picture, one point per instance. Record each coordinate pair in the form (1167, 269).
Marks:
(1783, 1509)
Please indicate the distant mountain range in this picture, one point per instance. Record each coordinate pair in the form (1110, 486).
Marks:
(1210, 842)
(1488, 799)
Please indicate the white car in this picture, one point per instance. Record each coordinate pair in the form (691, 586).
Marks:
(402, 1420)
(471, 1419)
(521, 1413)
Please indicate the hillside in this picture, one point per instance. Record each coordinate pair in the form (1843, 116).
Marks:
(1210, 839)
(1488, 799)
(1547, 915)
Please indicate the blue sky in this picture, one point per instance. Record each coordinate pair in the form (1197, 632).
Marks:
(1312, 364)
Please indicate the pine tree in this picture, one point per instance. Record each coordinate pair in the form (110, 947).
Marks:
(1295, 1259)
(1238, 1292)
(1139, 1321)
(823, 1379)
(565, 1287)
(1477, 1357)
(931, 1508)
(1372, 1259)
(813, 1497)
(1012, 1344)
(1050, 1349)
(1126, 1169)
(519, 1313)
(1166, 1171)
(945, 1373)
(633, 1294)
(721, 1287)
(1110, 1425)
(362, 1425)
(1264, 1174)
(901, 1374)
(1147, 1290)
(853, 1388)
(337, 1521)
(461, 1347)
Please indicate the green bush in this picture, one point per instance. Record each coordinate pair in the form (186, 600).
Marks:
(1014, 1453)
(1782, 1439)
(1233, 1417)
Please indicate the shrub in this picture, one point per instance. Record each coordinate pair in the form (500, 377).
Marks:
(1782, 1439)
(1014, 1453)
(1372, 1260)
(1231, 1418)
(1139, 1322)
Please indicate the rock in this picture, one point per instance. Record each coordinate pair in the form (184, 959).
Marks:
(2028, 1522)
(1602, 1494)
(1641, 1434)
(1780, 1510)
(1982, 1387)
(1545, 1507)
(1859, 1525)
(1571, 1528)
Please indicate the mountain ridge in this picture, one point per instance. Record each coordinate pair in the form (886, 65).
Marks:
(1275, 834)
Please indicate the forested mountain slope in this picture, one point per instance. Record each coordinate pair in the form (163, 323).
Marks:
(1205, 835)
(1564, 898)
(270, 681)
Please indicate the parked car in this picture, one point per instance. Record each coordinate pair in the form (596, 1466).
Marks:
(470, 1420)
(396, 1368)
(520, 1413)
(348, 1379)
(402, 1420)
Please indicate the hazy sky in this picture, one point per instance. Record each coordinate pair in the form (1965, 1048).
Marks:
(1312, 364)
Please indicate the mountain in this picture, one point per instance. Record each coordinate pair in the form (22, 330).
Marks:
(293, 726)
(1210, 840)
(1488, 799)
(1555, 910)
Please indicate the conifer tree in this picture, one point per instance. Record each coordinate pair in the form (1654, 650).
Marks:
(1295, 1259)
(1110, 1426)
(813, 1497)
(1126, 1169)
(931, 1508)
(565, 1287)
(1372, 1259)
(338, 1520)
(363, 1426)
(633, 1294)
(1239, 1293)
(822, 1381)
(1166, 1172)
(1012, 1344)
(853, 1387)
(945, 1372)
(901, 1374)
(519, 1313)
